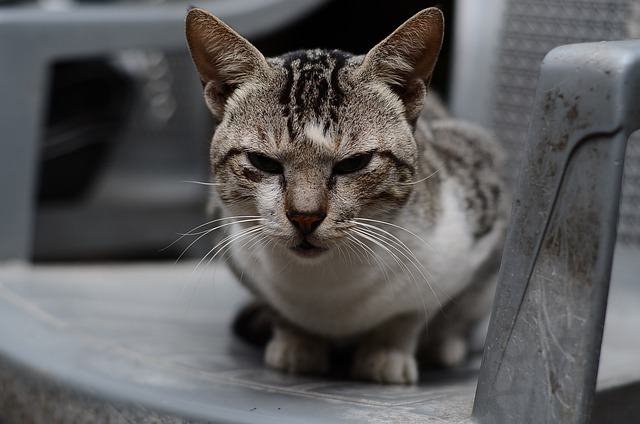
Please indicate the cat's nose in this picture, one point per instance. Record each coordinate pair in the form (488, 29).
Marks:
(306, 222)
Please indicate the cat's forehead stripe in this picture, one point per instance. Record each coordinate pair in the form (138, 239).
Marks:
(312, 90)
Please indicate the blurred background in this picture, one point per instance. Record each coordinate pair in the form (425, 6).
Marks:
(121, 137)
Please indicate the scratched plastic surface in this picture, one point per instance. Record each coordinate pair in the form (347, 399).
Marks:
(159, 336)
(542, 352)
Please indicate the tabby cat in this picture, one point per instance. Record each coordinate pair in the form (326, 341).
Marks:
(354, 208)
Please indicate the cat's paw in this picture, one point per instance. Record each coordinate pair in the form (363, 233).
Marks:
(452, 351)
(447, 351)
(385, 366)
(297, 355)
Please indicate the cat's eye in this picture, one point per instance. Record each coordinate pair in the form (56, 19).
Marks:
(265, 163)
(353, 163)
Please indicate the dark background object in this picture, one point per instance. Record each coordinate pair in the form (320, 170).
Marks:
(356, 26)
(90, 99)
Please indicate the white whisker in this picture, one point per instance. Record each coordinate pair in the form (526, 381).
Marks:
(221, 246)
(265, 242)
(255, 239)
(382, 264)
(204, 233)
(398, 244)
(425, 178)
(345, 250)
(200, 235)
(407, 272)
(402, 249)
(374, 239)
(399, 227)
(192, 232)
(201, 183)
(362, 259)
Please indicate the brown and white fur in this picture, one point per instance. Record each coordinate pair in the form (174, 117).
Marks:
(355, 209)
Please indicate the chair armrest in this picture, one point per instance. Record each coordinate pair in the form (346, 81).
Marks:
(541, 357)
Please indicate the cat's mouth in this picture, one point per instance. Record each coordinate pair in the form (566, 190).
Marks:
(308, 250)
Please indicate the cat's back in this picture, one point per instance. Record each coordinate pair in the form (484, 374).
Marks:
(471, 159)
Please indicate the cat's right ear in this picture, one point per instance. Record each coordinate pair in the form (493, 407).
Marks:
(223, 58)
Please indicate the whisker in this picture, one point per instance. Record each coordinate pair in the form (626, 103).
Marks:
(399, 246)
(192, 231)
(402, 247)
(366, 258)
(382, 264)
(368, 253)
(344, 253)
(284, 266)
(425, 178)
(265, 242)
(201, 183)
(397, 242)
(209, 231)
(399, 227)
(245, 218)
(200, 235)
(256, 240)
(253, 239)
(372, 237)
(220, 247)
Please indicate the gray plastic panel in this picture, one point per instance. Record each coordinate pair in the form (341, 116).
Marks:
(541, 358)
(110, 341)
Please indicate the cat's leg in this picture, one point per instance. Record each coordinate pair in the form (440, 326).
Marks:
(292, 351)
(447, 337)
(254, 323)
(287, 349)
(387, 355)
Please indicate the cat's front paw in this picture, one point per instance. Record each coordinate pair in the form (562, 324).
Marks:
(297, 355)
(385, 366)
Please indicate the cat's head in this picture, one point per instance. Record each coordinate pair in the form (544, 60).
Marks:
(311, 140)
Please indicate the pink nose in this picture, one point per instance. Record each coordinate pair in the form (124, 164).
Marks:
(306, 222)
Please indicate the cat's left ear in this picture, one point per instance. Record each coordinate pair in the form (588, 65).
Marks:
(405, 59)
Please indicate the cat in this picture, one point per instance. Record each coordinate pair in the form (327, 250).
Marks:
(354, 208)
